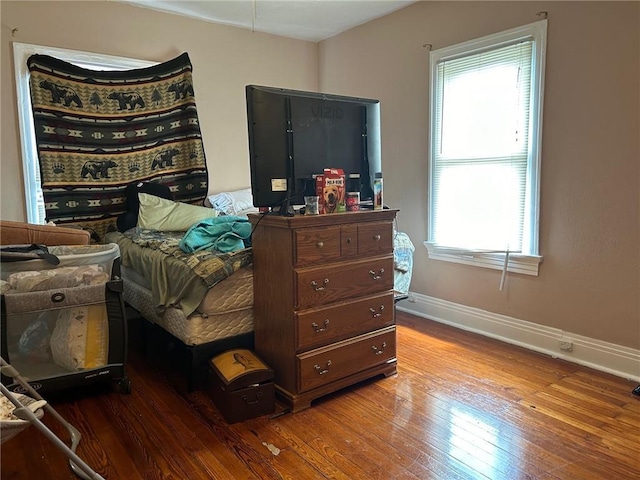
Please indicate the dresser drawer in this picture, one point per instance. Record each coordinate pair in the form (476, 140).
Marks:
(325, 365)
(316, 245)
(341, 281)
(375, 238)
(319, 245)
(320, 326)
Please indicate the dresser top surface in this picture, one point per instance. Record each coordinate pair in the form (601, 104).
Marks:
(302, 221)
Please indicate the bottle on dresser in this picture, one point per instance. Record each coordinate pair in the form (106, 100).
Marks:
(377, 192)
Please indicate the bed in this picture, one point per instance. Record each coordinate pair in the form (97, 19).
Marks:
(202, 299)
(101, 186)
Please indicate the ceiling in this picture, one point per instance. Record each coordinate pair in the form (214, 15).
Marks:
(311, 20)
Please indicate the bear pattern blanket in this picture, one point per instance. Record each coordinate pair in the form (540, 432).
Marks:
(99, 131)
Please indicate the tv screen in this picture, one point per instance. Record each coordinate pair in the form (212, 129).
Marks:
(295, 135)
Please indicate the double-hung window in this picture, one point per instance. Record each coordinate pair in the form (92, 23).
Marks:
(21, 52)
(484, 158)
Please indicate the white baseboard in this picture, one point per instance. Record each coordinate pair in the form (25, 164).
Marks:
(603, 356)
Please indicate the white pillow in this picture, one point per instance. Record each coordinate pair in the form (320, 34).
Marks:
(168, 216)
(232, 203)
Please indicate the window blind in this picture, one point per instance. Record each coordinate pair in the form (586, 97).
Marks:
(481, 148)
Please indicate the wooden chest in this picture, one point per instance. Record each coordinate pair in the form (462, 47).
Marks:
(323, 300)
(241, 385)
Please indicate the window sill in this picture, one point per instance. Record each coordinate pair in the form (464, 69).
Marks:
(518, 263)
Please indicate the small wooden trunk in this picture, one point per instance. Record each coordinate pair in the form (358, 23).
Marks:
(241, 385)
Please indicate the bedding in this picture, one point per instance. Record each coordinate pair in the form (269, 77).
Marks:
(178, 279)
(129, 218)
(236, 202)
(166, 215)
(224, 234)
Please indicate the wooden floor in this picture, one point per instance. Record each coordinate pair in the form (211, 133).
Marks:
(462, 406)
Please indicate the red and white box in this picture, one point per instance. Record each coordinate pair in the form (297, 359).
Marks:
(330, 189)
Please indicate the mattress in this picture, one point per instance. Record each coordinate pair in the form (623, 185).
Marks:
(226, 311)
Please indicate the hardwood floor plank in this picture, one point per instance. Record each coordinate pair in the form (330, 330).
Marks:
(409, 433)
(102, 450)
(319, 446)
(325, 441)
(628, 422)
(18, 463)
(277, 452)
(608, 447)
(214, 469)
(353, 443)
(452, 369)
(466, 436)
(200, 427)
(565, 371)
(601, 419)
(479, 423)
(152, 440)
(461, 407)
(399, 447)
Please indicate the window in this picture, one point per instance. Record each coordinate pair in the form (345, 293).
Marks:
(484, 159)
(31, 171)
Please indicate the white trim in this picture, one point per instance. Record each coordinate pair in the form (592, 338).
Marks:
(21, 53)
(518, 263)
(603, 356)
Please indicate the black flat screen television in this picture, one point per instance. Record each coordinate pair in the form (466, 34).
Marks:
(294, 135)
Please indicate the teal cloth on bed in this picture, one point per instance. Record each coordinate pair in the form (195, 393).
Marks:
(225, 234)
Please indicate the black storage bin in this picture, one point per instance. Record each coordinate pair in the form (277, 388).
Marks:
(65, 325)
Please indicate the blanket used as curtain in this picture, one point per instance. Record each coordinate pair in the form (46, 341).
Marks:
(99, 131)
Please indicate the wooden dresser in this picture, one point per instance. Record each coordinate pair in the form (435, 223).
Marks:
(323, 300)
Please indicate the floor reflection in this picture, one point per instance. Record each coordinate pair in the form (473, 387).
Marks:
(473, 442)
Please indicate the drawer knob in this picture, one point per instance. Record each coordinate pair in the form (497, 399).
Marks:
(376, 276)
(376, 314)
(322, 371)
(379, 351)
(318, 328)
(376, 237)
(320, 244)
(317, 287)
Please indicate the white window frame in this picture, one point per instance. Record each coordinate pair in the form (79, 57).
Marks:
(34, 202)
(528, 262)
